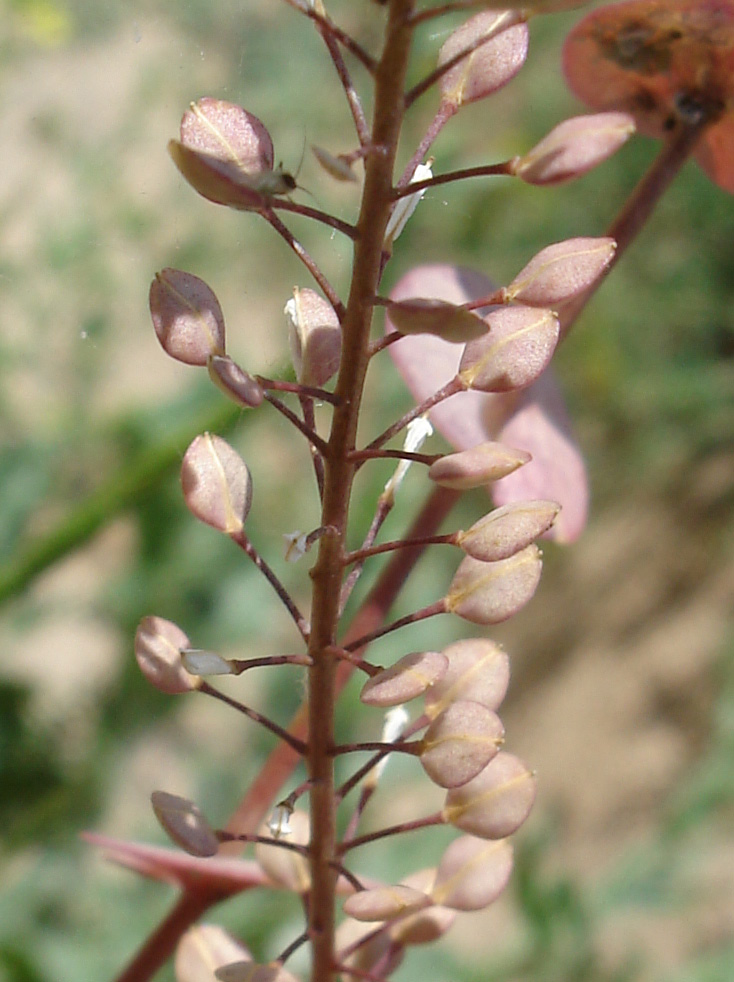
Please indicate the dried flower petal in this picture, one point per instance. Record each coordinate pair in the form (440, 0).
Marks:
(496, 802)
(200, 662)
(187, 318)
(407, 678)
(404, 207)
(216, 483)
(185, 824)
(487, 593)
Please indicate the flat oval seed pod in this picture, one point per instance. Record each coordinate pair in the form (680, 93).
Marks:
(407, 678)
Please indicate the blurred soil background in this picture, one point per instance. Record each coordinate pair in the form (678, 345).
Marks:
(622, 696)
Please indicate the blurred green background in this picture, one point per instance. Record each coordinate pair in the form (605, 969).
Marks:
(623, 687)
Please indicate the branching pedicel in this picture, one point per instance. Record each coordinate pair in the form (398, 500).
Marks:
(476, 357)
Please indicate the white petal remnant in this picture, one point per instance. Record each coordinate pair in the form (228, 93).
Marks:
(404, 207)
(279, 821)
(416, 435)
(296, 545)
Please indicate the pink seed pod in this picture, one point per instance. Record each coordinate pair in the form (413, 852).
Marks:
(515, 352)
(473, 873)
(561, 271)
(204, 948)
(285, 866)
(574, 147)
(184, 823)
(478, 670)
(492, 64)
(377, 950)
(425, 925)
(216, 484)
(425, 315)
(477, 466)
(460, 743)
(226, 154)
(158, 645)
(487, 593)
(508, 529)
(248, 971)
(315, 337)
(234, 382)
(385, 903)
(496, 802)
(186, 315)
(405, 680)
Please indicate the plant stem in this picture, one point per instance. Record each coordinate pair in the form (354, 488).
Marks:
(339, 474)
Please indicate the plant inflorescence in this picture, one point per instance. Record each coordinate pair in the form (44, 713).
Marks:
(475, 357)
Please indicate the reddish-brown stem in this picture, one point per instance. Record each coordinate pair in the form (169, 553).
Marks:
(439, 607)
(292, 948)
(384, 507)
(224, 836)
(353, 100)
(640, 205)
(384, 342)
(313, 438)
(504, 20)
(363, 771)
(361, 554)
(309, 418)
(359, 456)
(298, 745)
(279, 385)
(483, 170)
(285, 204)
(379, 745)
(418, 823)
(450, 389)
(444, 113)
(244, 543)
(341, 36)
(244, 664)
(285, 233)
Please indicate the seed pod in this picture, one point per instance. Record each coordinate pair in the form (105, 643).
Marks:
(496, 802)
(385, 903)
(204, 948)
(473, 873)
(247, 971)
(315, 337)
(515, 351)
(285, 866)
(407, 678)
(478, 670)
(186, 315)
(158, 645)
(477, 466)
(225, 153)
(507, 530)
(424, 315)
(460, 743)
(574, 147)
(216, 484)
(487, 593)
(561, 271)
(185, 824)
(492, 63)
(336, 167)
(234, 382)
